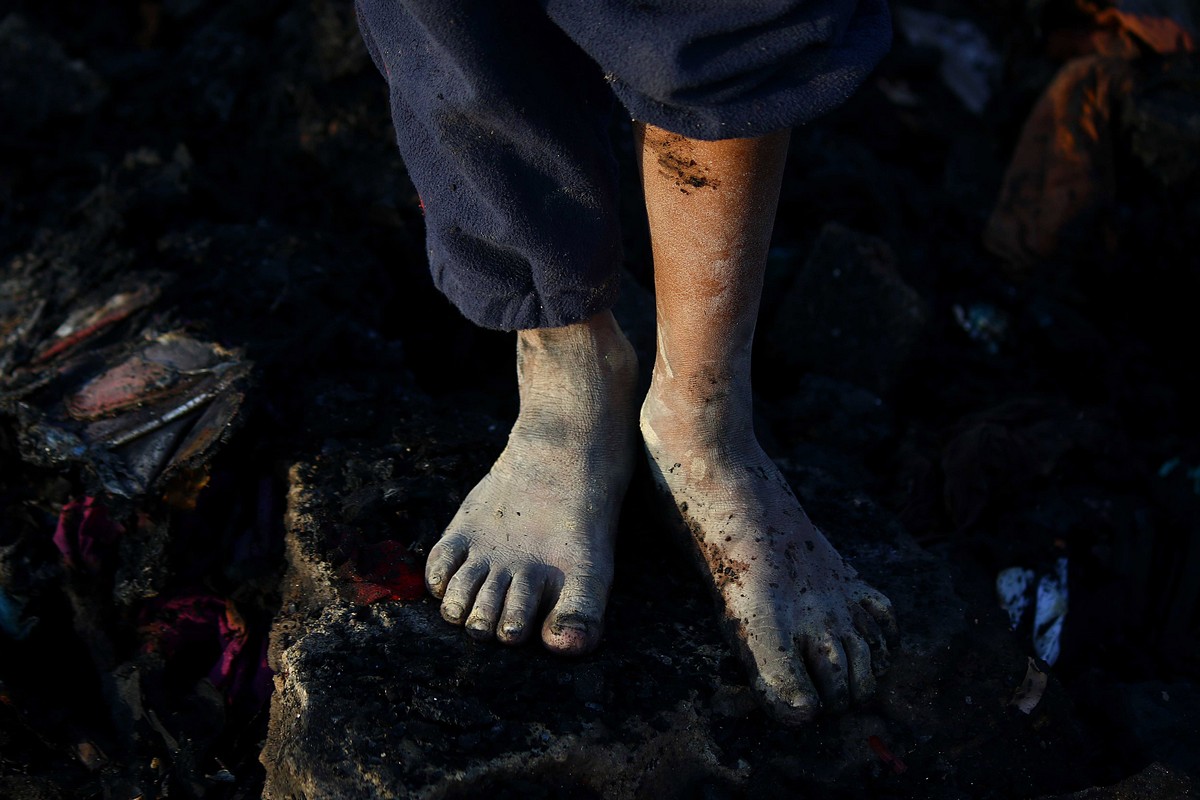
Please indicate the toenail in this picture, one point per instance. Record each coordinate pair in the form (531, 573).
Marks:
(436, 579)
(570, 624)
(512, 628)
(452, 611)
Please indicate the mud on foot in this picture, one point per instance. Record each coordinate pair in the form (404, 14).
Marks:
(538, 531)
(811, 634)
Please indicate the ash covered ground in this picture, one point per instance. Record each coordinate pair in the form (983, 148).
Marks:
(234, 415)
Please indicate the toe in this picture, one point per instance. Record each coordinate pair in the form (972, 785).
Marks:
(780, 678)
(461, 590)
(576, 621)
(880, 608)
(860, 674)
(521, 606)
(481, 624)
(827, 665)
(444, 560)
(869, 630)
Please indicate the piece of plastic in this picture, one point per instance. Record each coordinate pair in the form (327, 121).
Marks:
(1019, 589)
(969, 64)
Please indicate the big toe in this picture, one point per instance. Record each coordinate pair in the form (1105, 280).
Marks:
(827, 664)
(782, 681)
(571, 634)
(574, 624)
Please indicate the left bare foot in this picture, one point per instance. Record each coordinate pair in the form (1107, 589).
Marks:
(537, 532)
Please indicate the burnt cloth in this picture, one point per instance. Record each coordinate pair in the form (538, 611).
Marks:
(502, 111)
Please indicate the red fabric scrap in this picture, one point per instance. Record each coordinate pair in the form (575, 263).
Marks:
(85, 534)
(886, 755)
(381, 572)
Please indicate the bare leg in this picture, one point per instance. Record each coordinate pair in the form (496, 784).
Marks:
(537, 532)
(809, 631)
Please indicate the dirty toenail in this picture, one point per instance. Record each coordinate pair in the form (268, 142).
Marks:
(452, 612)
(478, 629)
(436, 579)
(512, 628)
(570, 623)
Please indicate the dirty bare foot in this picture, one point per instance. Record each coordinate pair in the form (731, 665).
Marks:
(537, 532)
(811, 633)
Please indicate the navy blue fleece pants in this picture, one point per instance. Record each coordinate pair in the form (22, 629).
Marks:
(502, 111)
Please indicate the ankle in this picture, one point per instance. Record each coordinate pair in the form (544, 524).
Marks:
(688, 413)
(595, 345)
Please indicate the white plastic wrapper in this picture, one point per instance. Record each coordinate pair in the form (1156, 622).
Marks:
(1019, 589)
(1050, 612)
(1012, 587)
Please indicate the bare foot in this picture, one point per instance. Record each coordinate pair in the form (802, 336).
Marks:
(810, 632)
(538, 530)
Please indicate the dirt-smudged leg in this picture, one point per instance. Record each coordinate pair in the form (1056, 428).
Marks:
(538, 531)
(811, 633)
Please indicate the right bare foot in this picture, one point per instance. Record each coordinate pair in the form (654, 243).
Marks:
(538, 530)
(811, 633)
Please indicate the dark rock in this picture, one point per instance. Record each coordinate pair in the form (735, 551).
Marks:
(1164, 719)
(848, 314)
(834, 425)
(38, 81)
(1155, 782)
(835, 413)
(386, 700)
(1163, 119)
(733, 701)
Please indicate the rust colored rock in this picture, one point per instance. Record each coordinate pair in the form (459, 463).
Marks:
(1061, 182)
(1062, 176)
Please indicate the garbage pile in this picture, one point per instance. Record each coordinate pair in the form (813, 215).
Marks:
(979, 315)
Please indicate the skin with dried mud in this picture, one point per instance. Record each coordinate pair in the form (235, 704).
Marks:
(538, 531)
(536, 534)
(286, 226)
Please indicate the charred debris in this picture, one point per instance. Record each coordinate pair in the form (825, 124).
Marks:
(980, 314)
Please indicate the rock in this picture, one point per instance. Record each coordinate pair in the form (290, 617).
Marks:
(386, 700)
(830, 424)
(1163, 120)
(834, 413)
(848, 314)
(1152, 783)
(38, 81)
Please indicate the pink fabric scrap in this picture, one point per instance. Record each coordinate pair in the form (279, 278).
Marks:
(85, 534)
(239, 669)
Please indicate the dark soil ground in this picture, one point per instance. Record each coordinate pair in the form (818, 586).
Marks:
(239, 157)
